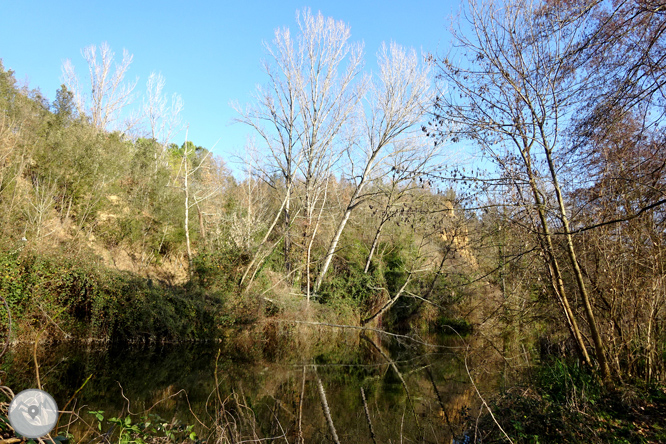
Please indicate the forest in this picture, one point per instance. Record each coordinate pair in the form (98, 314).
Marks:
(511, 190)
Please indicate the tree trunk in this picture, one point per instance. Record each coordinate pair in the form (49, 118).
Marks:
(202, 228)
(331, 250)
(287, 227)
(350, 207)
(311, 241)
(589, 313)
(187, 216)
(551, 260)
(265, 239)
(375, 242)
(594, 331)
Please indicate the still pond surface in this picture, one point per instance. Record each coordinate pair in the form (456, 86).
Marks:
(254, 387)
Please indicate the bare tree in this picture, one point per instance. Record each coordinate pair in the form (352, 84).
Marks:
(513, 94)
(300, 113)
(163, 117)
(327, 100)
(274, 118)
(396, 103)
(108, 94)
(12, 163)
(194, 195)
(621, 236)
(41, 204)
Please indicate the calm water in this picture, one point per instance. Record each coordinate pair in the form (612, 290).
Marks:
(254, 385)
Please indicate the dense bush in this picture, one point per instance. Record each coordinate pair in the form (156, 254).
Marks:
(220, 269)
(350, 286)
(85, 299)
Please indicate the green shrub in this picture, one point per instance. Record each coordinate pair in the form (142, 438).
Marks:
(565, 403)
(86, 299)
(568, 383)
(349, 286)
(220, 269)
(12, 287)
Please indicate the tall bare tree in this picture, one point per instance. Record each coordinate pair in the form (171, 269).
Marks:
(513, 93)
(191, 163)
(164, 117)
(300, 113)
(395, 106)
(107, 94)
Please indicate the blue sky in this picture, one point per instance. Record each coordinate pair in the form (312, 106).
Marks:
(209, 52)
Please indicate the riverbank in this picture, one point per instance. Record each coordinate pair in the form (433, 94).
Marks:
(77, 298)
(559, 401)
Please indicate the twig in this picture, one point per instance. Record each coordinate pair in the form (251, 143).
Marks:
(217, 383)
(122, 393)
(165, 399)
(34, 355)
(484, 401)
(72, 397)
(7, 392)
(192, 412)
(173, 396)
(300, 410)
(67, 335)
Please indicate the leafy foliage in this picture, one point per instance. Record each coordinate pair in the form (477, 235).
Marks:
(148, 429)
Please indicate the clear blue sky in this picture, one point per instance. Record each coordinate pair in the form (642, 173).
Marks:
(208, 51)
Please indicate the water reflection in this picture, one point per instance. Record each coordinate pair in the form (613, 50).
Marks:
(362, 388)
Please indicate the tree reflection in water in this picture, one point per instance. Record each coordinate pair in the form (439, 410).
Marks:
(357, 387)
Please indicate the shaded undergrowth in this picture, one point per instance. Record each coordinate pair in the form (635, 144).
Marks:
(564, 402)
(76, 297)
